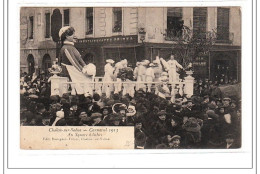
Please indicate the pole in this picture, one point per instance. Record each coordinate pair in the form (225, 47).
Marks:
(209, 66)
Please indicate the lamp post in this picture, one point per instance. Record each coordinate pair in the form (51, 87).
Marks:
(142, 34)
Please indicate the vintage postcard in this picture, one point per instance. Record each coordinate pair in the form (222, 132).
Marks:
(130, 77)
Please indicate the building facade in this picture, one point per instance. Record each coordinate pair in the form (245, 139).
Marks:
(132, 33)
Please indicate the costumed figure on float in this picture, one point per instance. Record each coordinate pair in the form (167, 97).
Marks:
(172, 71)
(149, 76)
(108, 77)
(73, 65)
(118, 66)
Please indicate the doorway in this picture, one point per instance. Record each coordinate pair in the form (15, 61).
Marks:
(30, 61)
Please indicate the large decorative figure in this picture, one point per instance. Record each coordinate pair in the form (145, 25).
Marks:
(73, 64)
(172, 69)
(108, 77)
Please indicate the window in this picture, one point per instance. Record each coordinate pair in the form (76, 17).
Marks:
(223, 24)
(117, 19)
(174, 22)
(31, 27)
(47, 25)
(66, 17)
(200, 21)
(89, 20)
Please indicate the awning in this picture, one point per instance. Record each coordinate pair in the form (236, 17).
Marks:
(121, 46)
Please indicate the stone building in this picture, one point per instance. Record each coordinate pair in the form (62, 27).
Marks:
(132, 33)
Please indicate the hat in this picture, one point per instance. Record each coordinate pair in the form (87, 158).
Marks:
(161, 113)
(146, 62)
(176, 137)
(227, 99)
(211, 106)
(96, 97)
(118, 106)
(63, 29)
(122, 107)
(131, 111)
(206, 96)
(110, 61)
(151, 65)
(109, 108)
(95, 115)
(212, 114)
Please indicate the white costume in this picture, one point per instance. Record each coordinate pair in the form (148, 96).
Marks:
(108, 77)
(158, 69)
(139, 74)
(149, 76)
(172, 70)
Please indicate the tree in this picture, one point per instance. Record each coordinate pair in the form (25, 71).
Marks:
(188, 45)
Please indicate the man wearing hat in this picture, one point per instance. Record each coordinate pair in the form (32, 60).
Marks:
(149, 76)
(108, 77)
(106, 111)
(161, 125)
(231, 142)
(175, 142)
(188, 110)
(97, 119)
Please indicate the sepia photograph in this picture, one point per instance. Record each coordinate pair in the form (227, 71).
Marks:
(130, 77)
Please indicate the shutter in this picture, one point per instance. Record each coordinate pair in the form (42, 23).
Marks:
(47, 30)
(56, 24)
(199, 20)
(174, 11)
(223, 24)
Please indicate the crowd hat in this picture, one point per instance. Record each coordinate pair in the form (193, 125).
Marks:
(160, 113)
(131, 111)
(110, 61)
(95, 115)
(109, 108)
(227, 99)
(212, 106)
(176, 137)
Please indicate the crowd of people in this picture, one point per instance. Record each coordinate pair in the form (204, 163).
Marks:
(162, 120)
(204, 120)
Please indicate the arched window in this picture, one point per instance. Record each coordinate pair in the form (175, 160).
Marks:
(56, 24)
(30, 61)
(46, 63)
